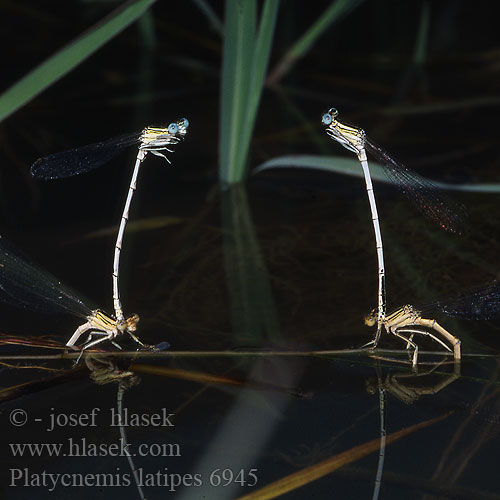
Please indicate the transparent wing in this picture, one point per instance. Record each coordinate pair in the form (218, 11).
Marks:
(82, 159)
(25, 285)
(481, 303)
(425, 195)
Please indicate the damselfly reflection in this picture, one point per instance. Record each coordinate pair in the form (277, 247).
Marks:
(80, 160)
(26, 285)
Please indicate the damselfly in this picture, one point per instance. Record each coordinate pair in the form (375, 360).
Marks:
(420, 191)
(480, 303)
(82, 159)
(26, 285)
(406, 320)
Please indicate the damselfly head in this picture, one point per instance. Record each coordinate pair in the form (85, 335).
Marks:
(179, 128)
(159, 138)
(330, 116)
(128, 324)
(371, 318)
(131, 322)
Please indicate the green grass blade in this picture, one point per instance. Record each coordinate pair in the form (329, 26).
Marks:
(260, 63)
(238, 53)
(333, 164)
(350, 166)
(420, 51)
(70, 56)
(332, 14)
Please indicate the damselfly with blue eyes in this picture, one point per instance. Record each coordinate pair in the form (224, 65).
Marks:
(24, 284)
(420, 191)
(77, 161)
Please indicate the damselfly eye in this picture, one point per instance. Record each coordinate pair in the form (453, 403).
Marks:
(184, 123)
(327, 119)
(173, 128)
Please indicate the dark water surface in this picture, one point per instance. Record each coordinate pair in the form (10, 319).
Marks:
(271, 415)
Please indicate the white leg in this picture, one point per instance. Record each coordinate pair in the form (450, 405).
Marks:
(424, 332)
(78, 333)
(119, 239)
(104, 336)
(92, 335)
(136, 339)
(397, 333)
